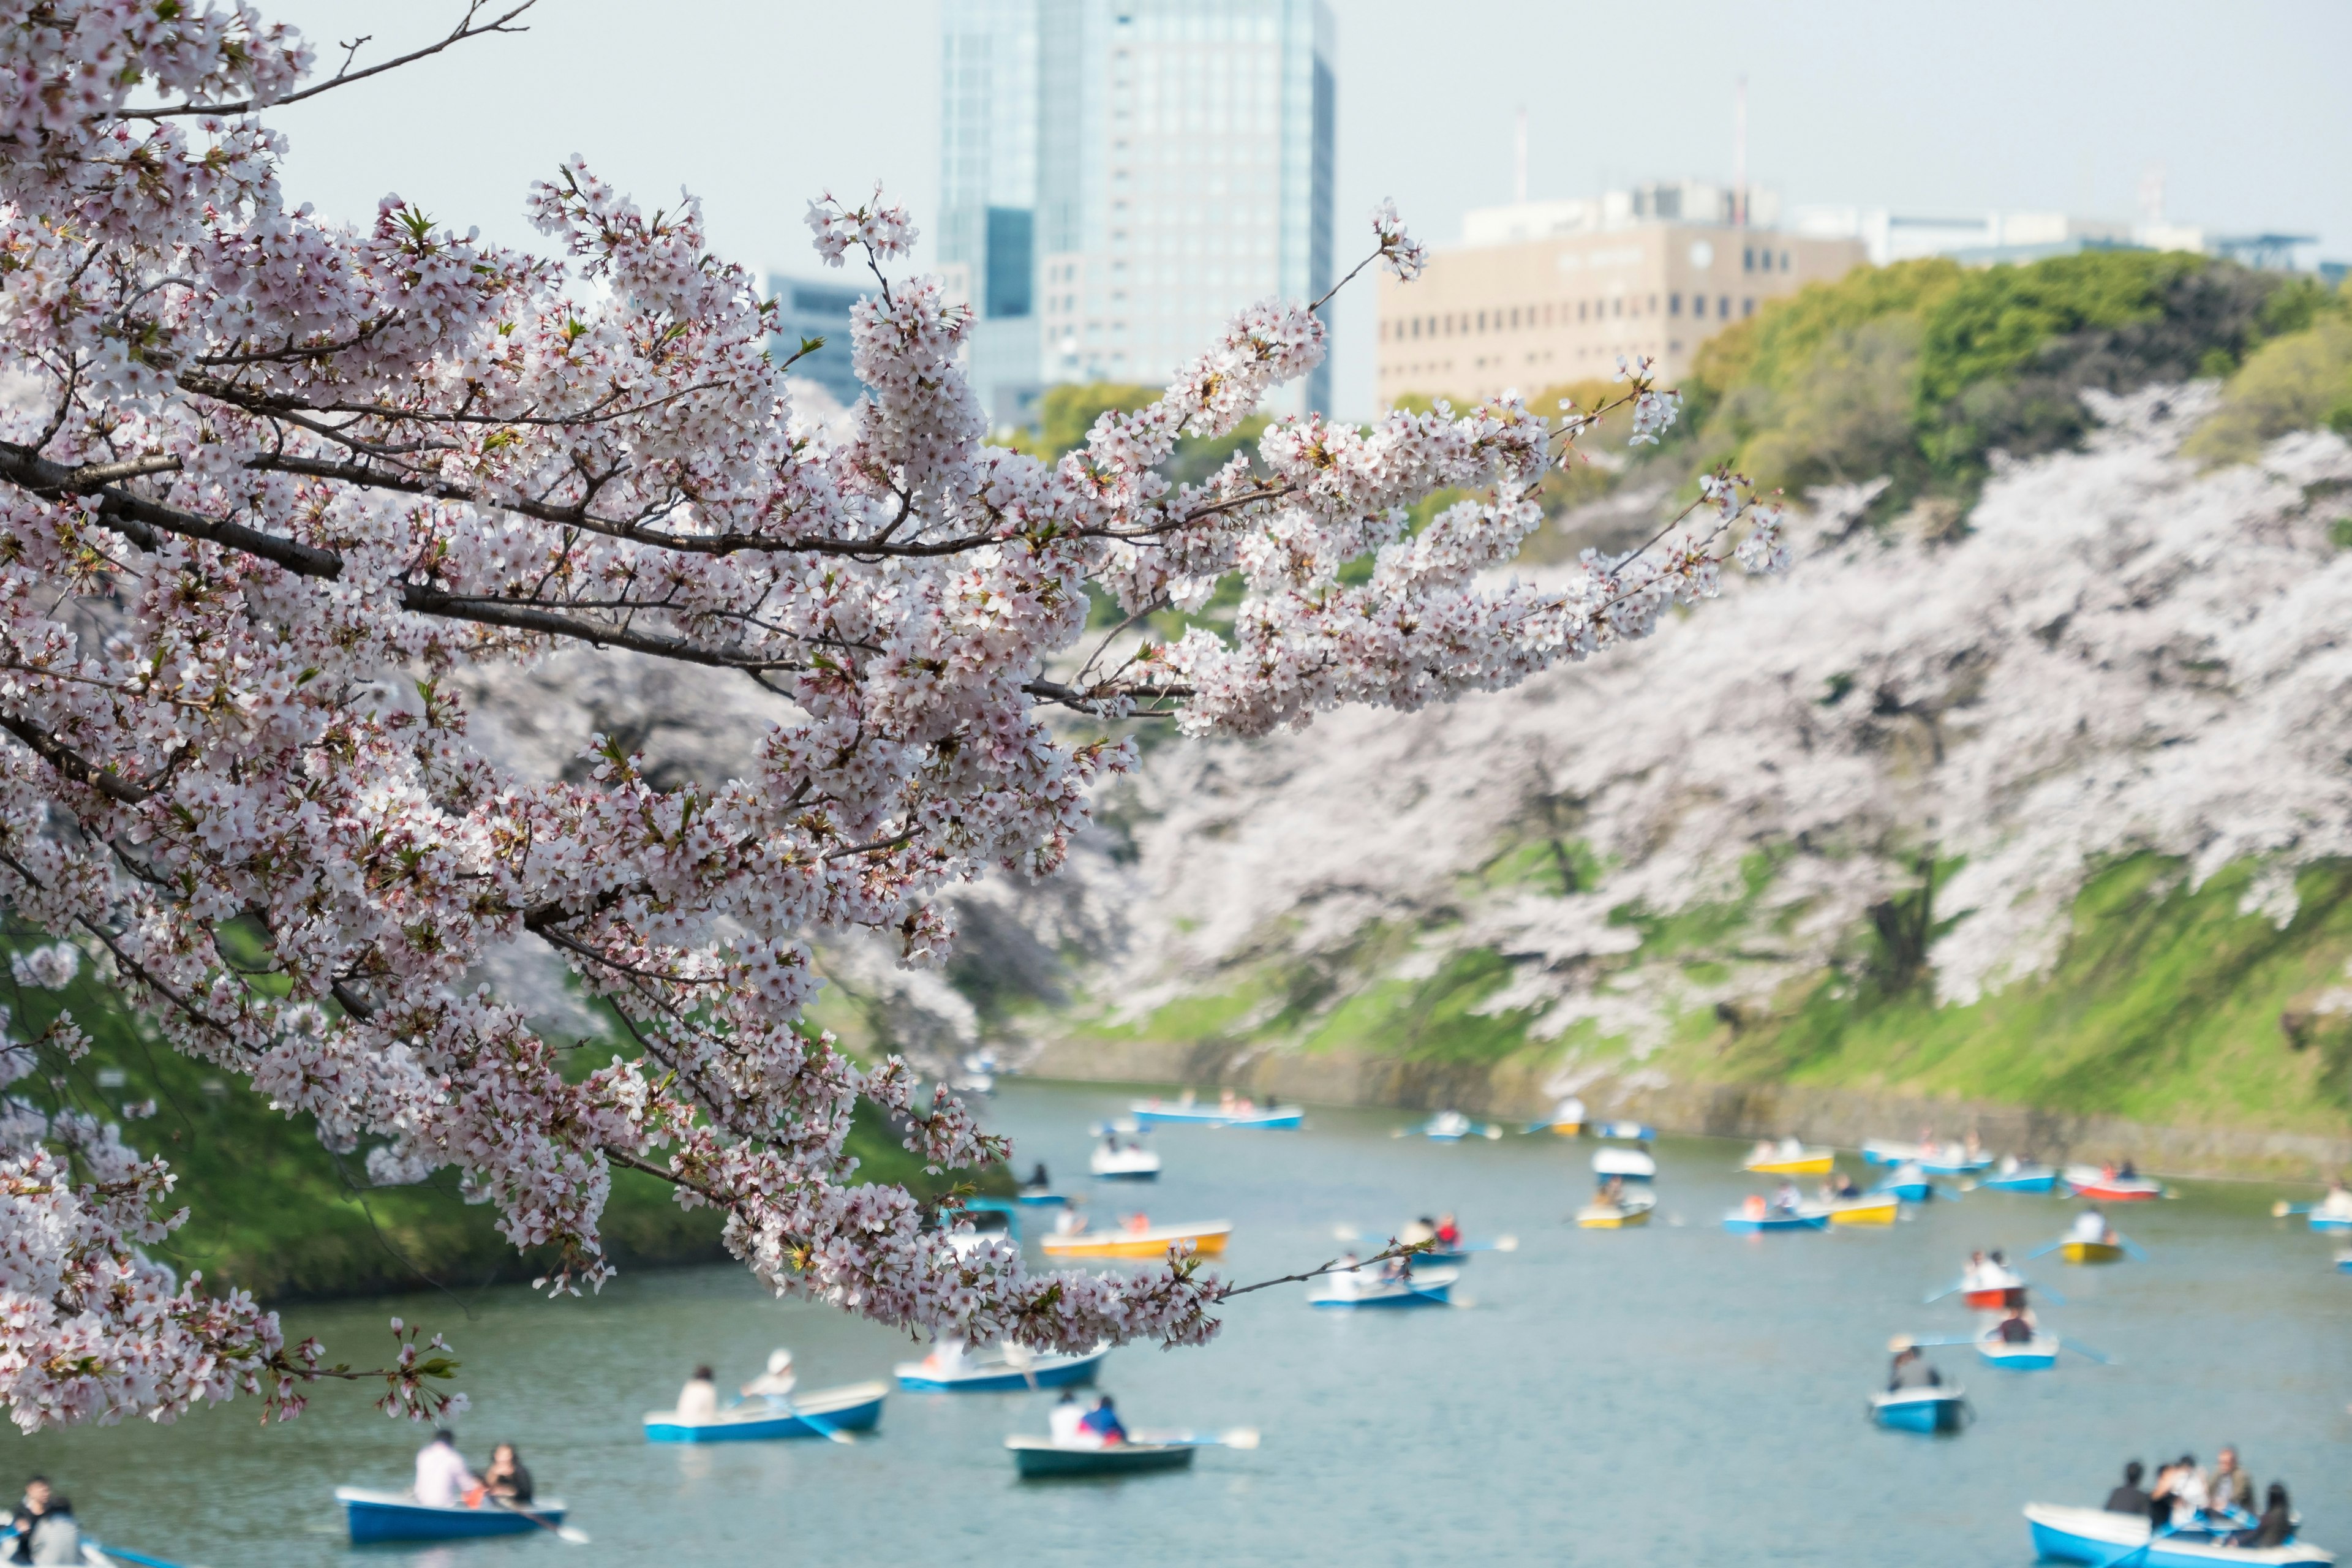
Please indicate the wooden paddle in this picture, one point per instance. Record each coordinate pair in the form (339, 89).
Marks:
(563, 1531)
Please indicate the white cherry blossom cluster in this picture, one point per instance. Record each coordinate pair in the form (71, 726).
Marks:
(275, 485)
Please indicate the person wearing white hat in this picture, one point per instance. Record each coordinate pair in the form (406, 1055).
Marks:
(775, 1384)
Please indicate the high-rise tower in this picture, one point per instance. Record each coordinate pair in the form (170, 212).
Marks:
(1119, 177)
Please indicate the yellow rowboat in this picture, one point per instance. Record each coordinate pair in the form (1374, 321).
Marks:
(1635, 1210)
(1208, 1240)
(1878, 1209)
(1565, 1128)
(1804, 1162)
(2091, 1252)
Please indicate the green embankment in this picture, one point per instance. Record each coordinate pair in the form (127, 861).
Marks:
(274, 1213)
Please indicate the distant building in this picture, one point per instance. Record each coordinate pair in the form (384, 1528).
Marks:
(1120, 176)
(816, 310)
(1989, 239)
(1545, 292)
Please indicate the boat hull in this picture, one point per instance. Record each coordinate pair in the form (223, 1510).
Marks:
(857, 1408)
(372, 1516)
(2022, 1182)
(1994, 1298)
(2085, 1183)
(1878, 1153)
(2090, 1252)
(2331, 1222)
(1615, 1216)
(1745, 1224)
(1961, 1167)
(1627, 1132)
(1920, 1410)
(2092, 1535)
(1282, 1117)
(1909, 1192)
(1047, 1372)
(1208, 1241)
(1038, 1459)
(1880, 1210)
(1432, 1287)
(2033, 1355)
(1631, 1164)
(1806, 1164)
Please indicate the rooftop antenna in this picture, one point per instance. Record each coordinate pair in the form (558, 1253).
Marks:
(1739, 152)
(1520, 160)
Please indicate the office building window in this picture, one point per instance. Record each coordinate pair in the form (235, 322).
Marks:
(1723, 308)
(1673, 304)
(1747, 307)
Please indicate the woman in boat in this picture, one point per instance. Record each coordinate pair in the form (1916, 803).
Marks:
(506, 1478)
(1449, 1233)
(2179, 1495)
(1104, 1422)
(57, 1537)
(775, 1384)
(698, 1400)
(2277, 1526)
(1065, 1423)
(1972, 1278)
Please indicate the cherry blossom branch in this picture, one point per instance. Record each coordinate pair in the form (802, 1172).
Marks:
(345, 77)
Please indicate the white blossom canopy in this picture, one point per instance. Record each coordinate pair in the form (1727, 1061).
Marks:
(267, 479)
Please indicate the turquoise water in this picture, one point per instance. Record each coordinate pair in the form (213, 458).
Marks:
(1667, 1396)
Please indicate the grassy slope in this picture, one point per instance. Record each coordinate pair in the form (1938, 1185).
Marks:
(276, 1213)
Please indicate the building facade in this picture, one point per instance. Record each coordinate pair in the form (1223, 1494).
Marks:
(1578, 289)
(1120, 176)
(805, 310)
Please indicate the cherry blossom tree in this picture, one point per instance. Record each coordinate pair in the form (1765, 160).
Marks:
(268, 480)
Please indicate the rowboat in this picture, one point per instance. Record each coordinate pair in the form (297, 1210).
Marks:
(1452, 1127)
(1877, 1208)
(1422, 1288)
(1150, 1113)
(1633, 1207)
(1884, 1151)
(1042, 1458)
(2344, 1263)
(1806, 1217)
(1567, 1120)
(2019, 1176)
(1001, 1374)
(1132, 1163)
(1920, 1409)
(2090, 1251)
(1908, 1182)
(2330, 1221)
(1949, 1161)
(373, 1516)
(2092, 1182)
(1151, 1241)
(1993, 1288)
(1632, 1164)
(855, 1408)
(1627, 1132)
(2038, 1353)
(2123, 1540)
(1037, 1196)
(1787, 1162)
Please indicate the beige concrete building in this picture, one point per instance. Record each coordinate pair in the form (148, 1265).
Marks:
(1527, 313)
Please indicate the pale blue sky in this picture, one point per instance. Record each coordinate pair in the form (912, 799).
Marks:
(755, 104)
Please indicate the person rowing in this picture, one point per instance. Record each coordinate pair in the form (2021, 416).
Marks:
(442, 1479)
(1839, 1187)
(506, 1479)
(2337, 1203)
(1449, 1233)
(775, 1384)
(2091, 1226)
(1065, 1423)
(1911, 1371)
(1785, 1198)
(698, 1400)
(2016, 1329)
(1039, 1182)
(2275, 1528)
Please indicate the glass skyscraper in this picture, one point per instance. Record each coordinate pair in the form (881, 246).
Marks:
(1119, 177)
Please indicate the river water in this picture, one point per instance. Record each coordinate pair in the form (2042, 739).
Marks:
(1662, 1396)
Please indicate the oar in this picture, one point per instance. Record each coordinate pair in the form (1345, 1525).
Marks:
(130, 1557)
(2140, 1551)
(1233, 1437)
(2085, 1351)
(2056, 1298)
(2281, 1209)
(824, 1428)
(1902, 1342)
(565, 1532)
(1955, 1287)
(2047, 1246)
(2138, 1253)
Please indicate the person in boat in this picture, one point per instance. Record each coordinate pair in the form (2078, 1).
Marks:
(1066, 1421)
(775, 1384)
(2179, 1494)
(1975, 1276)
(1785, 1198)
(1069, 1222)
(2015, 1329)
(1226, 1104)
(946, 1358)
(1911, 1371)
(1839, 1187)
(1754, 1207)
(1449, 1233)
(1762, 1152)
(2337, 1203)
(698, 1400)
(1137, 1222)
(1974, 1147)
(1104, 1422)
(1611, 1193)
(1039, 1182)
(506, 1478)
(1792, 1149)
(2091, 1226)
(2130, 1498)
(2276, 1527)
(1346, 1274)
(56, 1537)
(2230, 1487)
(442, 1479)
(2128, 1171)
(29, 1510)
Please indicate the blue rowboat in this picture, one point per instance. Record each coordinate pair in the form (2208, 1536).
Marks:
(1920, 1409)
(1627, 1132)
(1277, 1117)
(1422, 1288)
(1003, 1377)
(1880, 1152)
(2038, 1353)
(2344, 1263)
(2122, 1540)
(1811, 1216)
(1908, 1182)
(398, 1516)
(1954, 1166)
(855, 1408)
(1035, 1198)
(1043, 1460)
(2025, 1178)
(2330, 1221)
